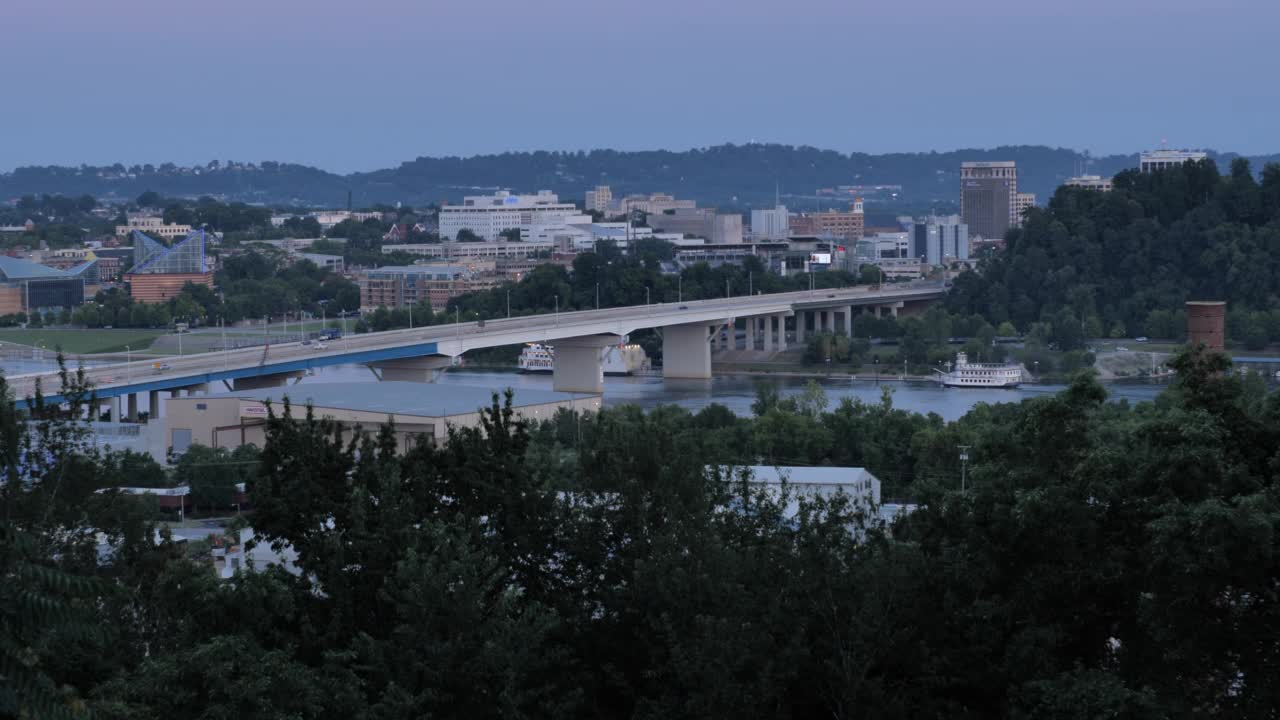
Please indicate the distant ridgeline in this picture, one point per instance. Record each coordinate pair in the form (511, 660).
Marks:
(724, 175)
(1122, 263)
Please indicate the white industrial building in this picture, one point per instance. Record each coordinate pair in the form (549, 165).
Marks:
(857, 484)
(488, 216)
(770, 223)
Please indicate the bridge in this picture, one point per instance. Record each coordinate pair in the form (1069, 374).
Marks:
(690, 332)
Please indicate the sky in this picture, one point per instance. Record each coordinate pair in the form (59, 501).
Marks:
(365, 84)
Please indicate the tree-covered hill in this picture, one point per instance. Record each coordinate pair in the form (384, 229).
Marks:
(725, 175)
(1124, 262)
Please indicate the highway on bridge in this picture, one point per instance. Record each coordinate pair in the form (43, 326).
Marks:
(452, 340)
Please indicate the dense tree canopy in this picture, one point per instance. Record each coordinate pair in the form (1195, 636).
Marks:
(1125, 261)
(1103, 561)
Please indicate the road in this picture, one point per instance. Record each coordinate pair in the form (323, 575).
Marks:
(455, 339)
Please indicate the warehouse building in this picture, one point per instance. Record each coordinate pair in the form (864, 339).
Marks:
(229, 420)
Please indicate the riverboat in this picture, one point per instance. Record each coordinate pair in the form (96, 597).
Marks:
(980, 375)
(622, 359)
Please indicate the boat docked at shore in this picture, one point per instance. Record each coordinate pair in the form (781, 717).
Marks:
(621, 359)
(980, 375)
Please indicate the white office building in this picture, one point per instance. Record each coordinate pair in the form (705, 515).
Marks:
(1089, 182)
(489, 215)
(770, 223)
(469, 251)
(1163, 159)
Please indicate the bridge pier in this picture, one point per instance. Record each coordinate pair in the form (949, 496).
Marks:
(782, 332)
(113, 409)
(420, 369)
(800, 323)
(579, 363)
(768, 333)
(153, 406)
(132, 413)
(751, 333)
(686, 352)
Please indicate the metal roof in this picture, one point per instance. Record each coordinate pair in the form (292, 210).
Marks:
(14, 269)
(401, 398)
(798, 475)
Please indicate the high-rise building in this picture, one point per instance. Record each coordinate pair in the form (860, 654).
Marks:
(488, 216)
(937, 239)
(1089, 182)
(770, 223)
(988, 192)
(598, 199)
(1022, 201)
(1163, 159)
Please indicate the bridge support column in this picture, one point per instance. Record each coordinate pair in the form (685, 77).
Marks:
(132, 414)
(113, 409)
(418, 369)
(782, 333)
(686, 352)
(580, 363)
(153, 406)
(768, 333)
(848, 321)
(800, 323)
(751, 333)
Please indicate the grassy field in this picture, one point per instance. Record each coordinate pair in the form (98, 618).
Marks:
(81, 342)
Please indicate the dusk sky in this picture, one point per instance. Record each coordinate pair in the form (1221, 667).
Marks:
(362, 85)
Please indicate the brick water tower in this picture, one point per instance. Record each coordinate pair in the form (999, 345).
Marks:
(1206, 323)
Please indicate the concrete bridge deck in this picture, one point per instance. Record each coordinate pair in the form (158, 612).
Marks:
(690, 330)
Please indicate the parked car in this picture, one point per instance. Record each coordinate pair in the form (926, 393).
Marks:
(1140, 339)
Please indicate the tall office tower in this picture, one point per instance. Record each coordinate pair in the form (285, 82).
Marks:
(987, 197)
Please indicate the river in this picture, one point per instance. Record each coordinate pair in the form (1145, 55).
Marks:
(737, 392)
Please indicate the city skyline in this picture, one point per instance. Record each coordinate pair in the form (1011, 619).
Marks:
(314, 83)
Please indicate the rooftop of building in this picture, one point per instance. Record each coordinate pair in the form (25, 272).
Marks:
(421, 269)
(395, 397)
(988, 164)
(1168, 153)
(774, 474)
(12, 268)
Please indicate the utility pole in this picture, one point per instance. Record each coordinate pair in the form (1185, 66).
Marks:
(508, 303)
(964, 465)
